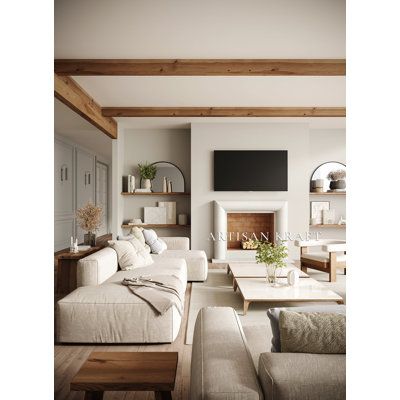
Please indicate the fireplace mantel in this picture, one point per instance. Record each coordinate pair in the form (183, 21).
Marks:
(222, 208)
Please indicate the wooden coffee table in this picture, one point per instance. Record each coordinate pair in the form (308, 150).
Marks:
(125, 371)
(258, 290)
(254, 270)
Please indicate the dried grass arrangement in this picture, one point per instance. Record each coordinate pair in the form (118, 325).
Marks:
(89, 217)
(337, 175)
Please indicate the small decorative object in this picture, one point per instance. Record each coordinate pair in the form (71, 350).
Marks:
(147, 173)
(164, 186)
(82, 247)
(338, 179)
(342, 221)
(171, 210)
(89, 219)
(273, 256)
(317, 185)
(249, 244)
(131, 183)
(182, 219)
(293, 277)
(328, 217)
(169, 186)
(155, 215)
(143, 190)
(73, 248)
(321, 173)
(316, 210)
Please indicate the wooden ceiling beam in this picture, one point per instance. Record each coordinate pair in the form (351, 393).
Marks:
(224, 111)
(72, 95)
(201, 67)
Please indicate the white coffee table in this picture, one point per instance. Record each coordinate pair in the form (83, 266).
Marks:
(258, 290)
(253, 270)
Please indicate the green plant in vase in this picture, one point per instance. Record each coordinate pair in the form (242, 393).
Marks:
(147, 172)
(273, 256)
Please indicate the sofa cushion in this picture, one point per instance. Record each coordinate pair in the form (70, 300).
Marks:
(321, 333)
(323, 257)
(156, 244)
(273, 315)
(131, 254)
(137, 233)
(288, 376)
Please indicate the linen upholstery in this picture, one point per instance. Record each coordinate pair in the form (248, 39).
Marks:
(110, 313)
(95, 268)
(196, 261)
(298, 376)
(156, 244)
(131, 253)
(273, 315)
(137, 233)
(322, 333)
(176, 242)
(221, 366)
(321, 256)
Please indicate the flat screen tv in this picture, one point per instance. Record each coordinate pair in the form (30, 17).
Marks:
(251, 170)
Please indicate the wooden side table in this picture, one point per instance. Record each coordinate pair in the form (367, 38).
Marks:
(126, 371)
(67, 269)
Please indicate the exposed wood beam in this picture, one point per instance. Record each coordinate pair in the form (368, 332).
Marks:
(202, 67)
(72, 95)
(224, 111)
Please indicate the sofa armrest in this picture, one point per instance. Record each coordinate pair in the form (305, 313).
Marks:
(97, 267)
(221, 367)
(177, 243)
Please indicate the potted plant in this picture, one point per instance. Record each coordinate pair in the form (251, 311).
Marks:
(273, 256)
(147, 173)
(89, 219)
(338, 179)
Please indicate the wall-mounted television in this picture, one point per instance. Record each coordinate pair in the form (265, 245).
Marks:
(251, 170)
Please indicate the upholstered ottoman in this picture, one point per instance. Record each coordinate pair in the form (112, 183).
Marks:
(196, 261)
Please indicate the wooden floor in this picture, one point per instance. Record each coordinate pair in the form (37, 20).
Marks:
(69, 358)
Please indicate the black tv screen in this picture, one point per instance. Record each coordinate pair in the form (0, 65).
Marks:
(250, 170)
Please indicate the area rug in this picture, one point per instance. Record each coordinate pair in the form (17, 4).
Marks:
(217, 292)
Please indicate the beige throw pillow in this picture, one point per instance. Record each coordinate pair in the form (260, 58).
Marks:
(138, 234)
(312, 332)
(131, 254)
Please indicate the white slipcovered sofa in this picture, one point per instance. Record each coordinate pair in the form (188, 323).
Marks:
(102, 310)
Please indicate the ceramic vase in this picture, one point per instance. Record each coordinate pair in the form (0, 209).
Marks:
(147, 183)
(293, 277)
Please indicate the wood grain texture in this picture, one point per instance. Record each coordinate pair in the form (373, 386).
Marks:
(72, 95)
(201, 67)
(224, 111)
(69, 359)
(156, 194)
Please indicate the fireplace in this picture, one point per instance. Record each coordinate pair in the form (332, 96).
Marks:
(243, 228)
(278, 218)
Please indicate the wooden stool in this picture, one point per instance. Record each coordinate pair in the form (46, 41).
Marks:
(125, 371)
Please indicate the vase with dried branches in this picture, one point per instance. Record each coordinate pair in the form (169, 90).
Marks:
(89, 219)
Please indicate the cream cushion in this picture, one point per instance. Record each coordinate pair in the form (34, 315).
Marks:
(138, 234)
(131, 254)
(323, 257)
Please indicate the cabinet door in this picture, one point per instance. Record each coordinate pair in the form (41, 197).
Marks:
(102, 194)
(85, 182)
(63, 179)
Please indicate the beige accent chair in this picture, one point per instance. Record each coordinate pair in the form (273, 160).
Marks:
(332, 255)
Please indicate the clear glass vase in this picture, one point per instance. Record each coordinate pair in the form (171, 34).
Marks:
(272, 274)
(89, 239)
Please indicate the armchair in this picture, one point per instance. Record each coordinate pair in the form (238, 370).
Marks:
(331, 256)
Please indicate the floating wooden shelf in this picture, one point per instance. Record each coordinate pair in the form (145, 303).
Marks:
(157, 226)
(328, 226)
(156, 194)
(328, 193)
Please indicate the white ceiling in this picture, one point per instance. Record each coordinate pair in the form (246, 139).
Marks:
(201, 29)
(71, 125)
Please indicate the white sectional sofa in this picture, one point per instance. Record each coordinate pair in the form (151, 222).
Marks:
(102, 310)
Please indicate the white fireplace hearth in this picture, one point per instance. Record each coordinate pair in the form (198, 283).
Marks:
(221, 209)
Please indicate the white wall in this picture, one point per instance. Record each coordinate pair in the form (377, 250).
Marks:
(329, 145)
(207, 137)
(138, 146)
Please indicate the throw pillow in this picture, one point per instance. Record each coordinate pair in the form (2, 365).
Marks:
(273, 315)
(156, 244)
(317, 333)
(131, 254)
(137, 233)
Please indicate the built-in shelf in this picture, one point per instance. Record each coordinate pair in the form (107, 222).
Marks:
(328, 193)
(156, 194)
(156, 226)
(328, 226)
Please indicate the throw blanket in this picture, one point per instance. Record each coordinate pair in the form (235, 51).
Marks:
(160, 291)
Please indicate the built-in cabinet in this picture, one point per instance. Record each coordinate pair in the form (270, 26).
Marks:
(78, 179)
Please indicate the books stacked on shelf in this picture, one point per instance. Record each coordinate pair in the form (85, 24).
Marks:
(128, 183)
(142, 190)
